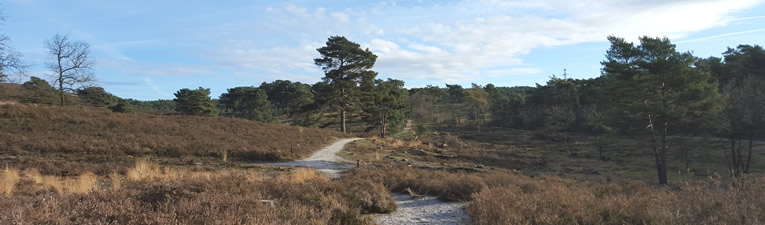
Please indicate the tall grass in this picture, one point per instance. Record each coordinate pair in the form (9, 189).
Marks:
(83, 184)
(228, 197)
(116, 180)
(8, 181)
(35, 175)
(144, 169)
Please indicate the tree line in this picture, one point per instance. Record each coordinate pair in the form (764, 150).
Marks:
(349, 88)
(647, 88)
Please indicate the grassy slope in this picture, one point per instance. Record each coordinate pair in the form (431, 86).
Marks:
(51, 138)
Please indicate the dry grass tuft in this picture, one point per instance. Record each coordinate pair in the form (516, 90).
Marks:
(54, 182)
(229, 197)
(116, 180)
(83, 184)
(34, 175)
(9, 180)
(300, 175)
(144, 169)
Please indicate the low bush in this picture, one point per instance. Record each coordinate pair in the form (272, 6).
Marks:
(369, 196)
(507, 198)
(187, 197)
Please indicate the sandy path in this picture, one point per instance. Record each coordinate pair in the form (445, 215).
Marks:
(324, 160)
(428, 210)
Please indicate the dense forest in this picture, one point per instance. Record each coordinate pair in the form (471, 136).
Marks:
(645, 89)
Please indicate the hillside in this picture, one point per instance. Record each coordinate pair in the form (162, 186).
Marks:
(11, 91)
(31, 133)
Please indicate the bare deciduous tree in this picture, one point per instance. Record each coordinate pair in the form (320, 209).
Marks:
(71, 63)
(10, 59)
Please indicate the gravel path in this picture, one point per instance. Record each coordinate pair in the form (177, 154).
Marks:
(325, 160)
(427, 210)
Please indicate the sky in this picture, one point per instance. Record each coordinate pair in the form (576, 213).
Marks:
(148, 49)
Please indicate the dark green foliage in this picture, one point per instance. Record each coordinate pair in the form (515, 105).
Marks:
(654, 86)
(426, 104)
(248, 102)
(41, 92)
(122, 107)
(422, 130)
(383, 103)
(96, 96)
(345, 65)
(195, 102)
(288, 97)
(742, 76)
(477, 101)
(161, 105)
(456, 93)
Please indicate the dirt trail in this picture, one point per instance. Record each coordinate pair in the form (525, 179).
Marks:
(428, 210)
(324, 160)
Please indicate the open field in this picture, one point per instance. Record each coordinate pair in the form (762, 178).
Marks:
(565, 155)
(81, 165)
(149, 193)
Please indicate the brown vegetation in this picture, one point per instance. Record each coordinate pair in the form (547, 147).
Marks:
(57, 140)
(571, 155)
(180, 196)
(552, 200)
(507, 198)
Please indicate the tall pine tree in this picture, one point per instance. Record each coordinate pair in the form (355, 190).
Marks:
(657, 88)
(345, 65)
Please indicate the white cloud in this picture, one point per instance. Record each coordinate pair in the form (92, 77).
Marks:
(513, 72)
(341, 17)
(465, 40)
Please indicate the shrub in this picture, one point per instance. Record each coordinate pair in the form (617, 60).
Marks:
(122, 107)
(422, 130)
(462, 188)
(369, 196)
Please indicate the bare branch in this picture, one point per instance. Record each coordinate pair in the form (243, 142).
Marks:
(70, 63)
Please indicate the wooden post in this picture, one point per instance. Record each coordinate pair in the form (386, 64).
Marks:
(292, 149)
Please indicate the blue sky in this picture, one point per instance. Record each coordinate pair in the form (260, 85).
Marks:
(150, 49)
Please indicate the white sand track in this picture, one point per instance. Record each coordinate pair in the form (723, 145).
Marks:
(428, 210)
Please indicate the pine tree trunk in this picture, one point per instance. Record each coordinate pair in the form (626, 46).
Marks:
(659, 152)
(749, 156)
(382, 134)
(733, 166)
(342, 121)
(663, 157)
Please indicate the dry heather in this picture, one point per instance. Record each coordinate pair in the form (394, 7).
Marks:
(180, 196)
(99, 135)
(506, 198)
